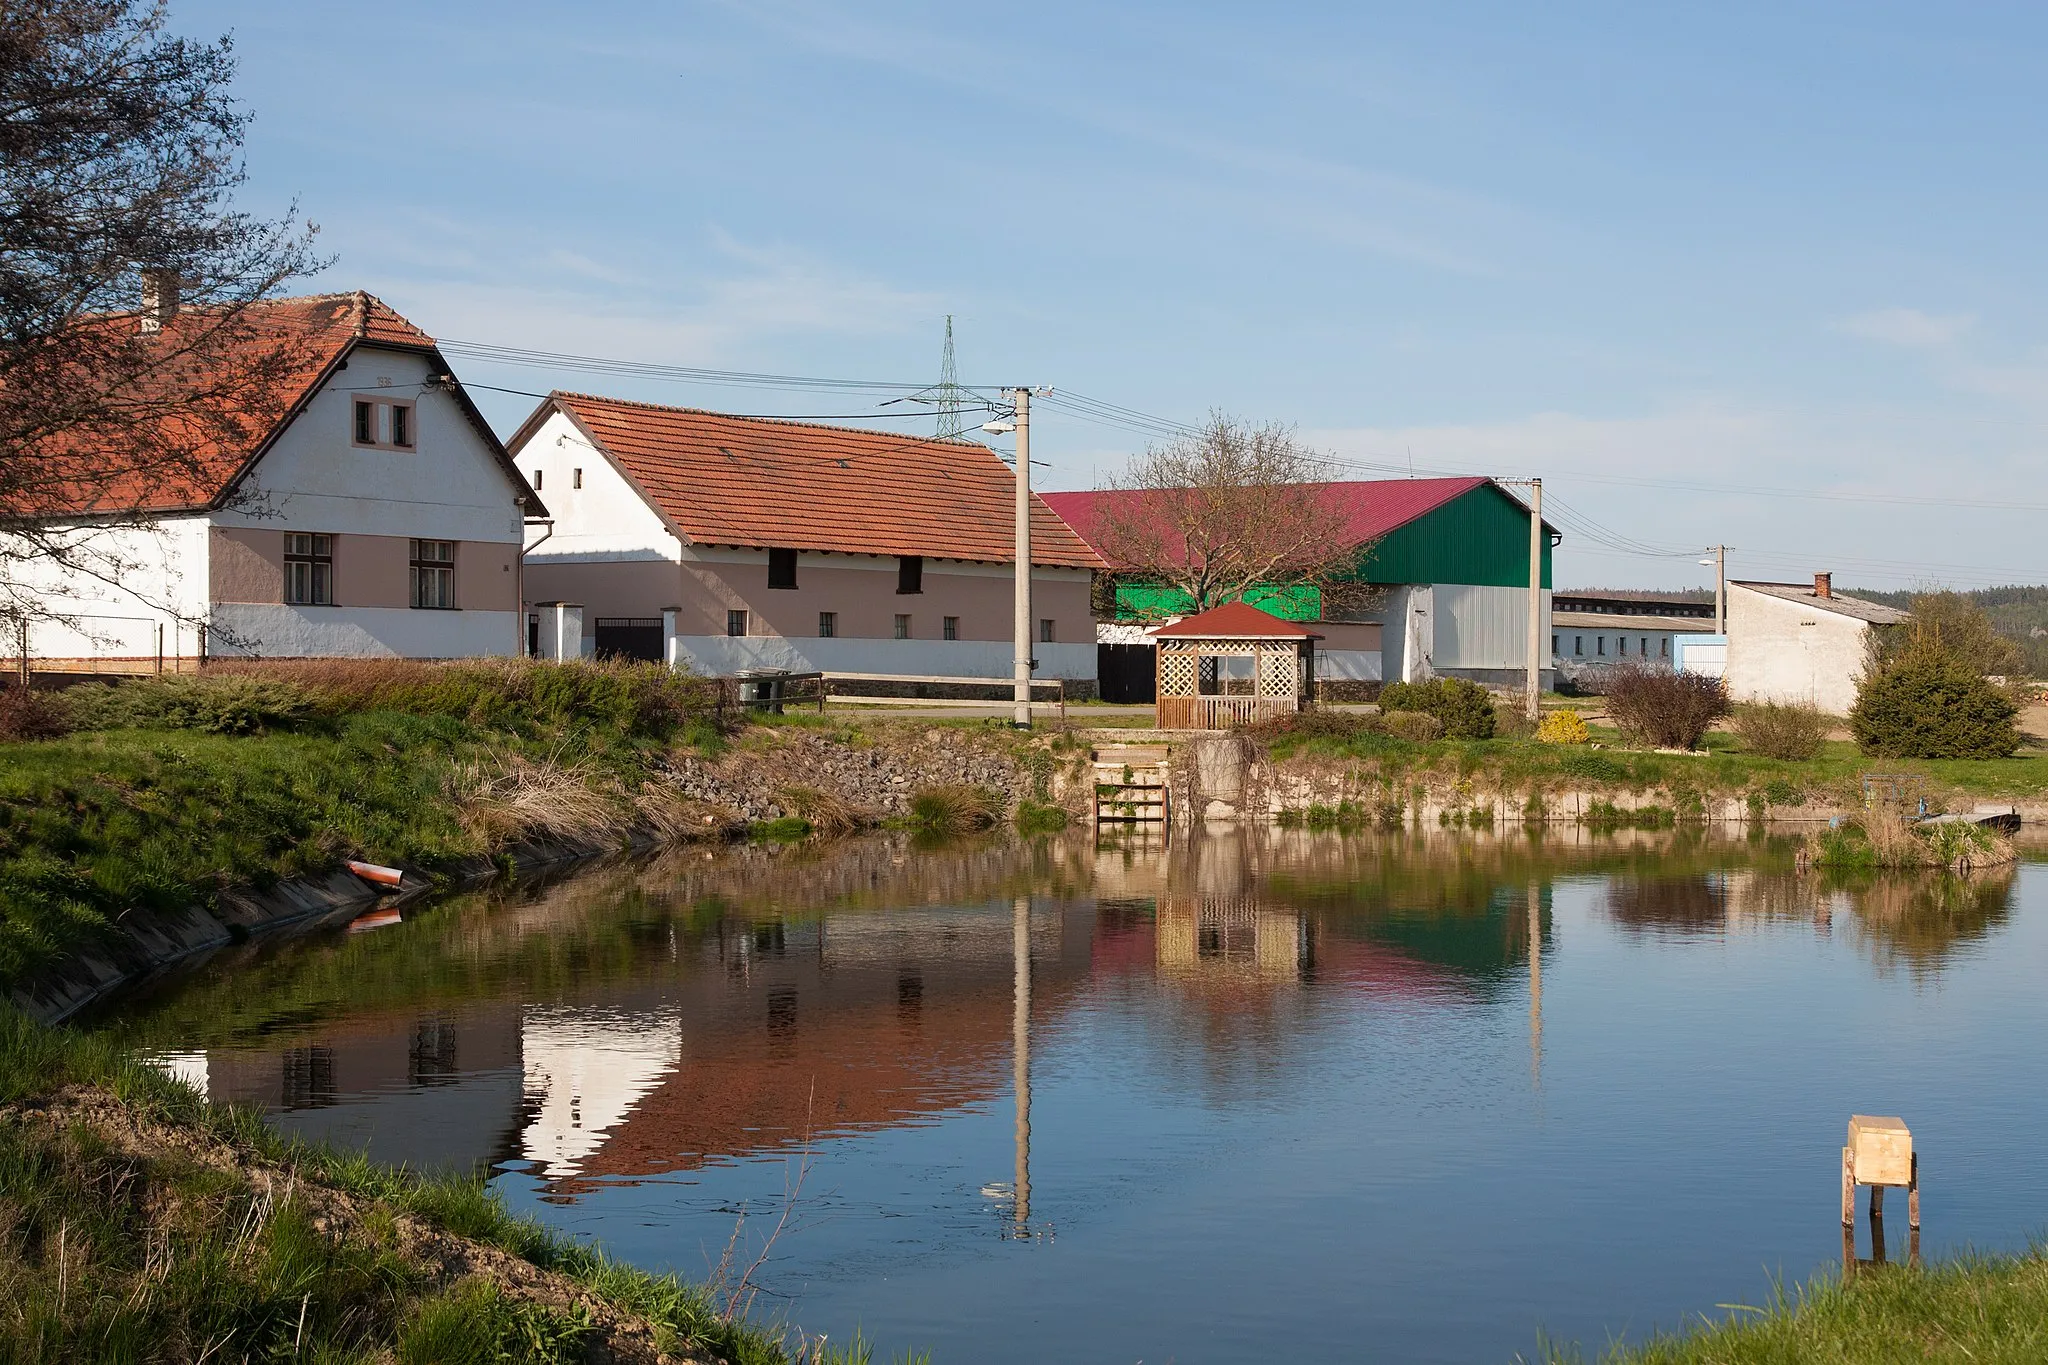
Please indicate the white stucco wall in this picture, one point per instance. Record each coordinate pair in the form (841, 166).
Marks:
(605, 519)
(131, 580)
(725, 655)
(1363, 664)
(275, 631)
(1790, 651)
(448, 487)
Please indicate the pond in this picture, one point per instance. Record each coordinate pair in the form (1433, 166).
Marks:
(1406, 1097)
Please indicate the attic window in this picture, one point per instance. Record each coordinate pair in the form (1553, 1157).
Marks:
(909, 573)
(782, 568)
(382, 423)
(536, 479)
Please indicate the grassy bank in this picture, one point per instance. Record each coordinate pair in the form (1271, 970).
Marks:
(164, 793)
(1721, 769)
(140, 1223)
(1987, 1310)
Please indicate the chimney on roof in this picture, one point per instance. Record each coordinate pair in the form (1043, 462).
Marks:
(1824, 586)
(159, 298)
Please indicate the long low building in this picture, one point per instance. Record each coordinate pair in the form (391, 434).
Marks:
(727, 544)
(1591, 630)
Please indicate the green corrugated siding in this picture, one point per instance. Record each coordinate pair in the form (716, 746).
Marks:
(1481, 538)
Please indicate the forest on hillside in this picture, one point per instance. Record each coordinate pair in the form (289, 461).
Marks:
(2019, 614)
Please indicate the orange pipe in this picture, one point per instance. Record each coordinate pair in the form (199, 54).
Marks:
(371, 872)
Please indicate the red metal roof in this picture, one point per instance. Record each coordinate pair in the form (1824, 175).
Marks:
(1370, 508)
(771, 483)
(1233, 621)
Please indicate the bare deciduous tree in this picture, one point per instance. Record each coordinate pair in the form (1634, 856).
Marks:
(119, 151)
(1231, 508)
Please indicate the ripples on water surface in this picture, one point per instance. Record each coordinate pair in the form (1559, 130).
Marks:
(1283, 1093)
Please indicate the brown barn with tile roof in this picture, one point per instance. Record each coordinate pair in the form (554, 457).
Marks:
(730, 543)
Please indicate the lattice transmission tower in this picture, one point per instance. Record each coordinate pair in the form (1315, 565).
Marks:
(949, 398)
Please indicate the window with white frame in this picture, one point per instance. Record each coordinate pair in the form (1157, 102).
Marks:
(949, 628)
(828, 625)
(382, 423)
(902, 626)
(308, 569)
(433, 574)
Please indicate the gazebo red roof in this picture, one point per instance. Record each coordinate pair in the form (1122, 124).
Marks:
(1233, 621)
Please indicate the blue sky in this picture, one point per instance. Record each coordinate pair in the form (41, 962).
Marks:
(1666, 259)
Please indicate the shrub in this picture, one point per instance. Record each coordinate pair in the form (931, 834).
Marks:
(25, 714)
(1782, 729)
(1511, 721)
(221, 704)
(1463, 707)
(1314, 724)
(625, 695)
(1417, 726)
(1563, 727)
(1929, 703)
(1667, 710)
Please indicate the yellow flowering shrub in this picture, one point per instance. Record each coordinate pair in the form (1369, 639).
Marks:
(1563, 727)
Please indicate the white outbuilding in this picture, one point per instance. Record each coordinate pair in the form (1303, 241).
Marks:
(1801, 643)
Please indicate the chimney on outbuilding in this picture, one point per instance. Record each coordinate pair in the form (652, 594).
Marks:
(1824, 586)
(159, 298)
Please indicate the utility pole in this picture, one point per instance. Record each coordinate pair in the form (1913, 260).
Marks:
(1021, 716)
(1720, 590)
(1535, 685)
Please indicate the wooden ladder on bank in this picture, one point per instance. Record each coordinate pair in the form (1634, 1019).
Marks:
(1130, 784)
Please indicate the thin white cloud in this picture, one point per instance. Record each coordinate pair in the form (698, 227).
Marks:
(1908, 327)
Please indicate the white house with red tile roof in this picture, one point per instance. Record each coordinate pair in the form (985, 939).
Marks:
(377, 515)
(725, 543)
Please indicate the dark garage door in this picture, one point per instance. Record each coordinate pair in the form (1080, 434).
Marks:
(629, 637)
(1127, 673)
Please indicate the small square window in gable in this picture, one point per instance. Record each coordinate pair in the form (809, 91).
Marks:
(380, 423)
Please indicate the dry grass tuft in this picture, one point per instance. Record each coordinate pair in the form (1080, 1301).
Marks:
(509, 799)
(955, 809)
(825, 812)
(679, 818)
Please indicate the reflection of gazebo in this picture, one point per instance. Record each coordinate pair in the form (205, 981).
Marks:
(1232, 665)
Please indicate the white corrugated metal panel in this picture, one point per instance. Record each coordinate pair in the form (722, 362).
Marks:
(1479, 627)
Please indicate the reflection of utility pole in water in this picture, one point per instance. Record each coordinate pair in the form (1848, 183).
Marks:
(1536, 984)
(1020, 1062)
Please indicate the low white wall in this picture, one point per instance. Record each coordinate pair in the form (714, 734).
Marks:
(281, 632)
(724, 655)
(1362, 664)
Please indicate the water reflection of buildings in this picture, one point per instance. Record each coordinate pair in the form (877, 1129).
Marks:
(681, 1037)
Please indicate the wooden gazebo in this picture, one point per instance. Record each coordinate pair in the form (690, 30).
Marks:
(1232, 665)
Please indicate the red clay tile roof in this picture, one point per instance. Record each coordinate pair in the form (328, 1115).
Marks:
(1233, 621)
(772, 483)
(1370, 508)
(316, 332)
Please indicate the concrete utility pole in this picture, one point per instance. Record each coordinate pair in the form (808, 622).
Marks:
(1720, 590)
(1535, 699)
(1022, 663)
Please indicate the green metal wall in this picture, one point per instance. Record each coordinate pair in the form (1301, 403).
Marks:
(1481, 538)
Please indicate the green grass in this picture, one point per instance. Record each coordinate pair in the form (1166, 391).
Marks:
(1987, 1310)
(112, 1255)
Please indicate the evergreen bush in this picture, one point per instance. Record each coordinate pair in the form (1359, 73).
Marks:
(1930, 703)
(1462, 707)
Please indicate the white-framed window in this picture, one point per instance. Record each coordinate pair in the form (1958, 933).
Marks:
(736, 621)
(433, 574)
(576, 477)
(308, 569)
(902, 626)
(536, 479)
(949, 628)
(828, 625)
(382, 423)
